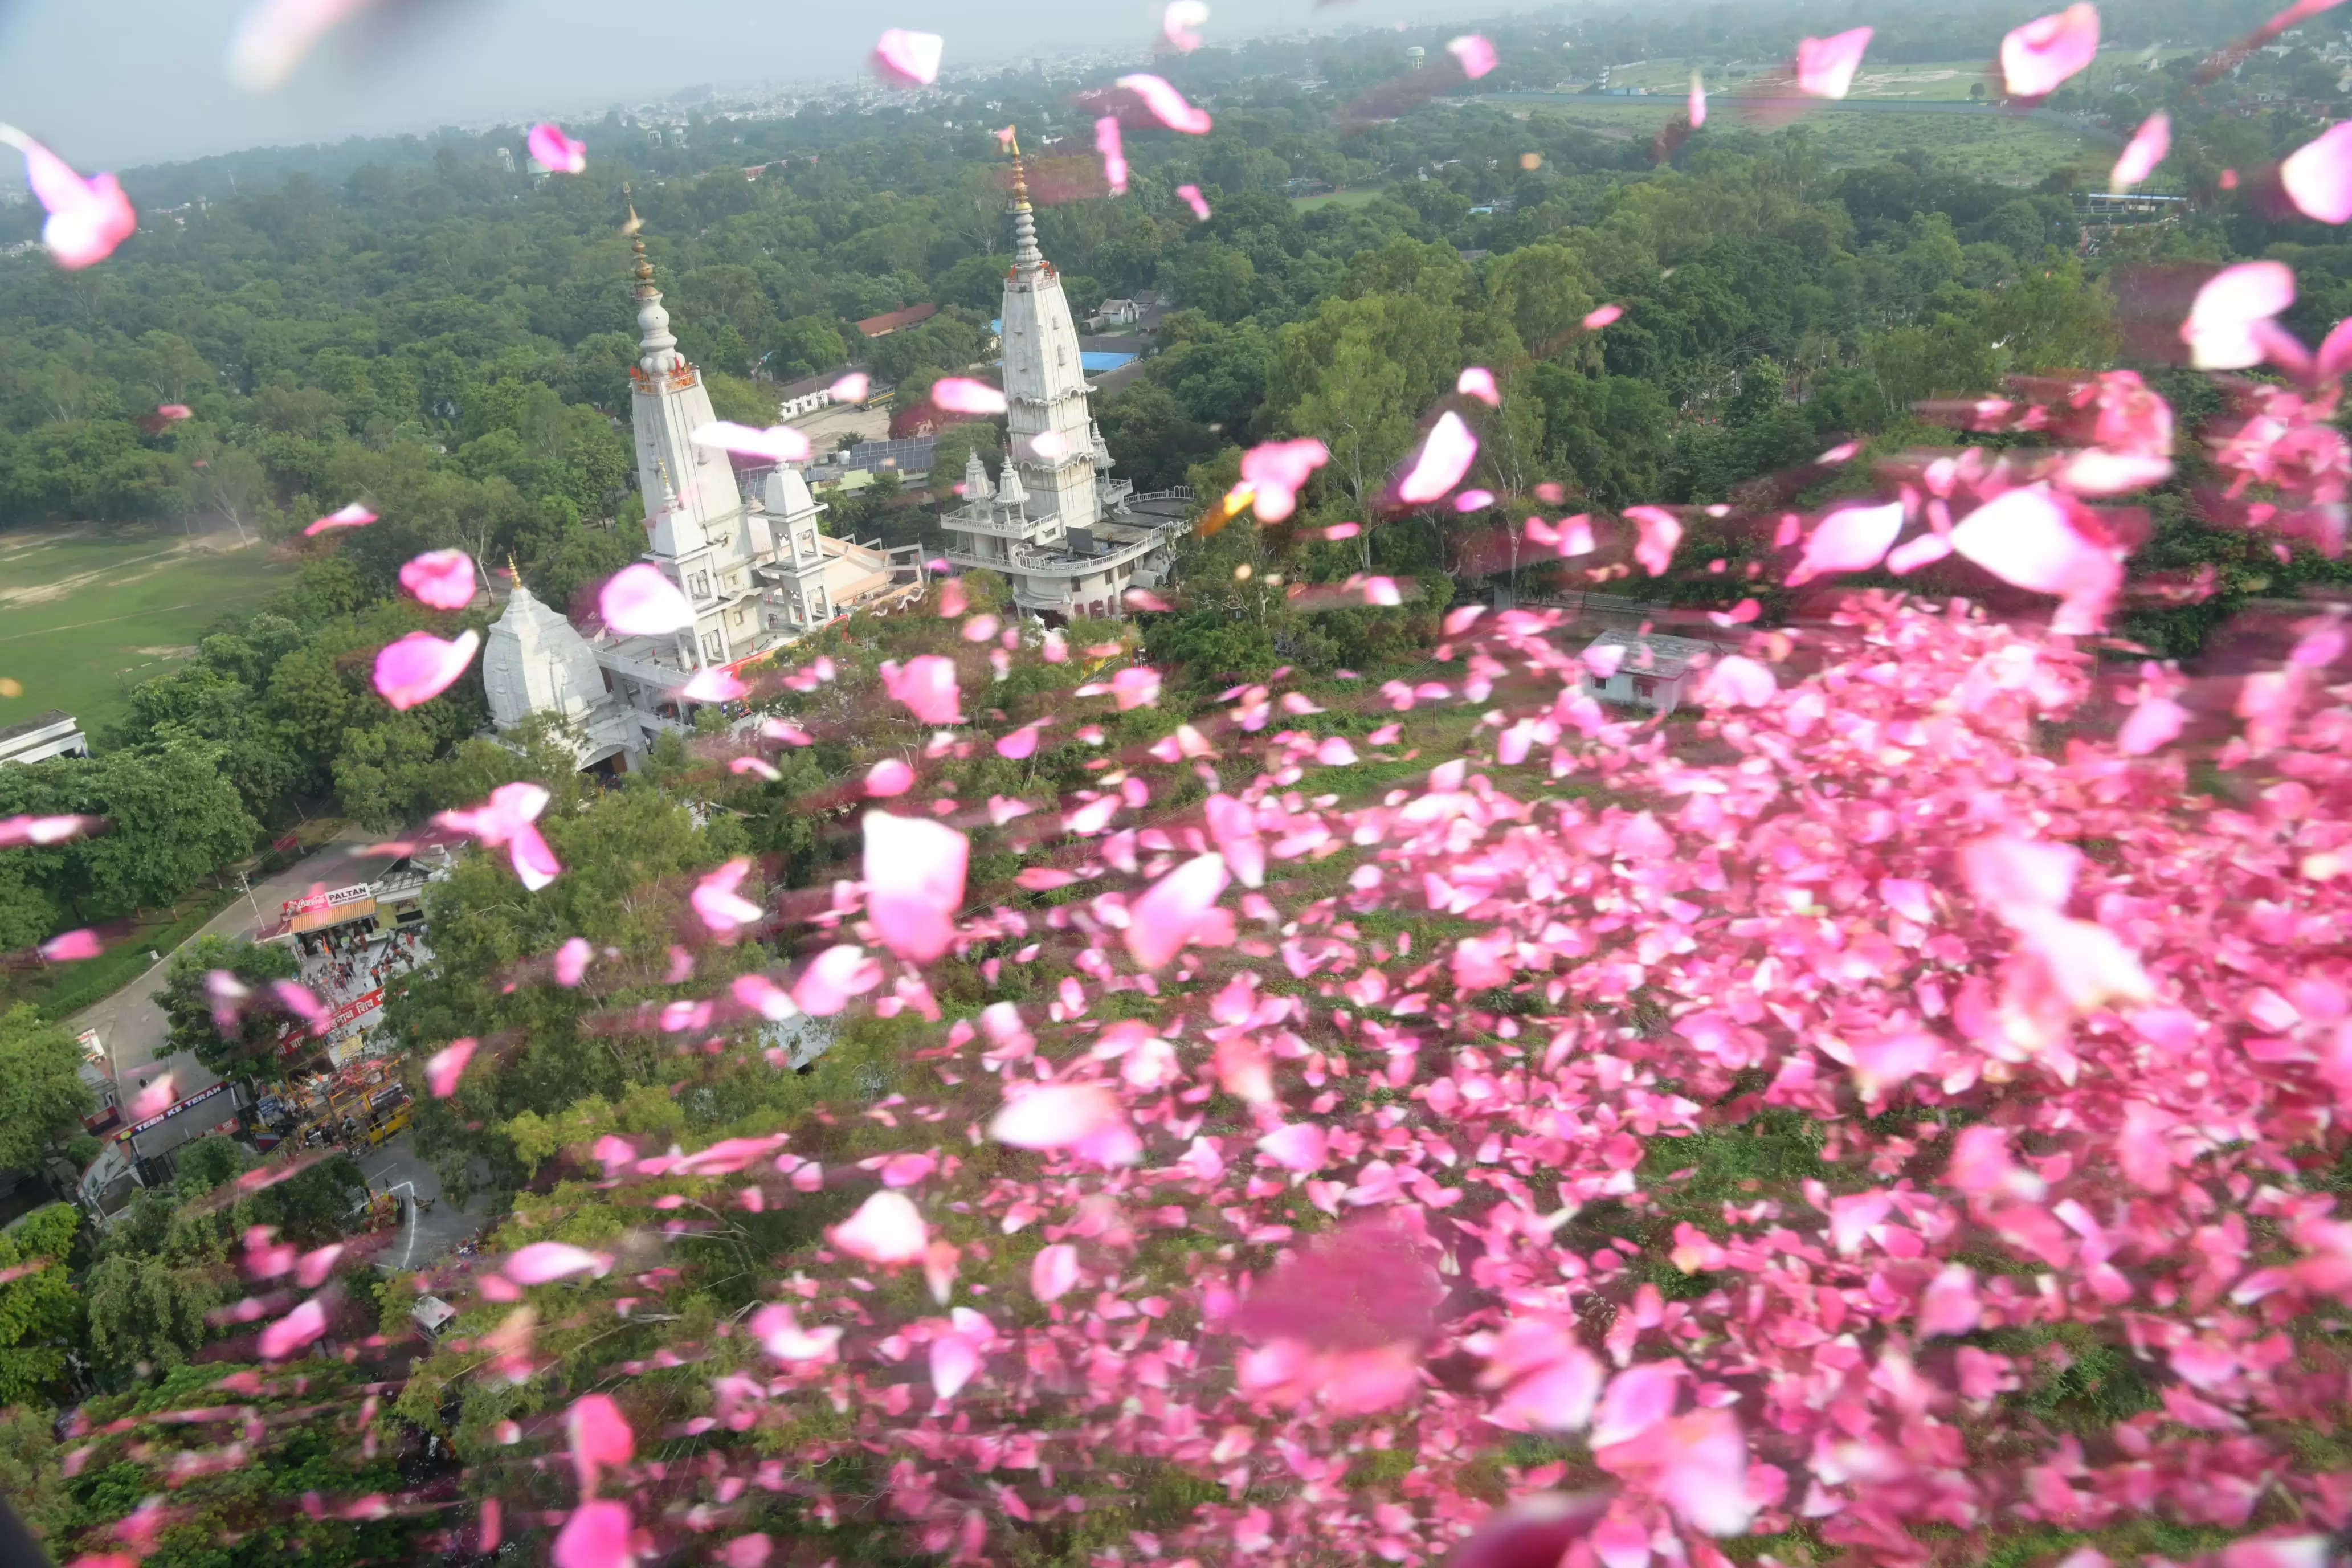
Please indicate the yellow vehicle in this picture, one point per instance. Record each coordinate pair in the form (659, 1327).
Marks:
(392, 1123)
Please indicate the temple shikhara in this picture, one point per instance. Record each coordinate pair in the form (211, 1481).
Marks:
(746, 548)
(1069, 537)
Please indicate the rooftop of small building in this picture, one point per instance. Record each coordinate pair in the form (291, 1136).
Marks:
(1655, 653)
(49, 719)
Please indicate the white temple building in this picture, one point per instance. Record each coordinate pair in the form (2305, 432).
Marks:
(1068, 538)
(746, 551)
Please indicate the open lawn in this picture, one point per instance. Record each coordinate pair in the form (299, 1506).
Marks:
(2005, 149)
(88, 611)
(1929, 81)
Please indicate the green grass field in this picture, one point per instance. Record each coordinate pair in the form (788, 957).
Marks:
(2005, 150)
(86, 613)
(1926, 81)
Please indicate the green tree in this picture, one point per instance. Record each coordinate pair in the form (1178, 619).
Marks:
(187, 1002)
(146, 1316)
(41, 1091)
(39, 1310)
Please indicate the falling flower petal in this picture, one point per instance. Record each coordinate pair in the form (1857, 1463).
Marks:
(505, 820)
(908, 59)
(1113, 153)
(639, 601)
(961, 395)
(913, 883)
(291, 1332)
(1921, 552)
(420, 667)
(571, 961)
(1661, 531)
(1166, 916)
(441, 578)
(1698, 110)
(2155, 723)
(1825, 67)
(833, 978)
(72, 947)
(723, 910)
(1446, 455)
(851, 388)
(355, 515)
(781, 1335)
(543, 1262)
(1740, 682)
(2040, 54)
(2319, 175)
(1054, 1116)
(1193, 198)
(88, 218)
(1275, 471)
(1178, 22)
(2143, 153)
(446, 1066)
(2219, 328)
(1854, 539)
(556, 153)
(715, 683)
(599, 1436)
(1300, 1146)
(890, 776)
(775, 443)
(1137, 686)
(927, 686)
(42, 830)
(1476, 55)
(2025, 538)
(1166, 104)
(1599, 317)
(885, 1229)
(1478, 382)
(596, 1535)
(153, 1100)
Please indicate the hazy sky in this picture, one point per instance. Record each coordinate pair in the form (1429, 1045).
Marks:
(110, 83)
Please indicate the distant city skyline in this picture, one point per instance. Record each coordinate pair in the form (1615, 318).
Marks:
(119, 83)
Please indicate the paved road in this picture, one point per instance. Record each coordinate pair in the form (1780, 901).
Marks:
(131, 1027)
(424, 1238)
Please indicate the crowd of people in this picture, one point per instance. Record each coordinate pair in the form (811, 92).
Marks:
(345, 963)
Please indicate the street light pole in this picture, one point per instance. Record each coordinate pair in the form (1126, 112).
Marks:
(246, 883)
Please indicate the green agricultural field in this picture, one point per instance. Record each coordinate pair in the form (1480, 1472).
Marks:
(2007, 150)
(86, 612)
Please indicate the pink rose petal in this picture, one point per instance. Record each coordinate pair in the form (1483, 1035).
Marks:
(2219, 330)
(599, 1436)
(1445, 455)
(1825, 67)
(1478, 382)
(42, 830)
(446, 1066)
(1178, 22)
(2145, 150)
(714, 683)
(1661, 531)
(908, 58)
(961, 395)
(833, 978)
(1054, 1272)
(887, 1228)
(1698, 107)
(88, 218)
(1275, 471)
(596, 1535)
(175, 411)
(291, 1332)
(443, 579)
(1137, 686)
(544, 1262)
(2039, 56)
(639, 601)
(1921, 552)
(723, 910)
(1166, 916)
(851, 388)
(571, 961)
(556, 153)
(927, 686)
(2319, 175)
(775, 443)
(153, 1100)
(2155, 723)
(1475, 54)
(1166, 104)
(420, 667)
(1113, 153)
(890, 776)
(1193, 198)
(1599, 317)
(1741, 682)
(1853, 540)
(355, 515)
(913, 883)
(72, 947)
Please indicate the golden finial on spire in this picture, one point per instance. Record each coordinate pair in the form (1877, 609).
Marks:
(512, 569)
(1020, 175)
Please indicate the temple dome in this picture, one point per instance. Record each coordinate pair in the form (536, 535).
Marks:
(534, 661)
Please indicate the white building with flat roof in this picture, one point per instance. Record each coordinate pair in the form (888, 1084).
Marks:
(1653, 671)
(55, 733)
